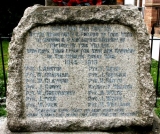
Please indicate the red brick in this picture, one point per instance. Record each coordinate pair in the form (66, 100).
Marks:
(150, 15)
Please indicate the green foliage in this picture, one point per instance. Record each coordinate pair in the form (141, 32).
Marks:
(2, 89)
(3, 112)
(157, 109)
(154, 68)
(5, 54)
(11, 11)
(158, 103)
(5, 44)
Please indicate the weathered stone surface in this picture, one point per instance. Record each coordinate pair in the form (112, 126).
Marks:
(85, 70)
(154, 130)
(135, 67)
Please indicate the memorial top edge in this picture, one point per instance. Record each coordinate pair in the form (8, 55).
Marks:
(113, 14)
(90, 9)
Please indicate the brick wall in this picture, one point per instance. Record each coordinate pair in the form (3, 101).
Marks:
(156, 1)
(152, 1)
(150, 15)
(120, 2)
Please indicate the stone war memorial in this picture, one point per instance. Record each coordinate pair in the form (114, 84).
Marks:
(81, 70)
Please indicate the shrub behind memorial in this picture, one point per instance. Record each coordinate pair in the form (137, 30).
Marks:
(11, 11)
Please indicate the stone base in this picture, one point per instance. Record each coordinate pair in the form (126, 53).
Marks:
(155, 129)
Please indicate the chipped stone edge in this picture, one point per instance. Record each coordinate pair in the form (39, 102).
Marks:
(41, 15)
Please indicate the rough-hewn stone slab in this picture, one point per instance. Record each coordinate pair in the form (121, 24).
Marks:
(80, 71)
(79, 68)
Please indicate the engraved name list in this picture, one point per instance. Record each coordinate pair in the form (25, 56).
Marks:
(81, 71)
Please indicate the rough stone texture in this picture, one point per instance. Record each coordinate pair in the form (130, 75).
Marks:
(2, 120)
(82, 61)
(40, 15)
(154, 130)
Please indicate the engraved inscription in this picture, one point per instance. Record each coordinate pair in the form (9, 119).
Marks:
(81, 71)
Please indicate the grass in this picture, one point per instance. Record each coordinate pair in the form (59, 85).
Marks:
(154, 74)
(157, 109)
(3, 111)
(5, 45)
